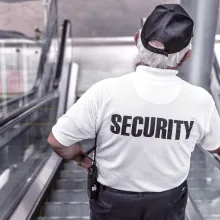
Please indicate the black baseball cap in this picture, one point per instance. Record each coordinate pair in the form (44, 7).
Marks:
(169, 24)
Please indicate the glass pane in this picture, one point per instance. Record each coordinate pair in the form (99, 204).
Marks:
(18, 74)
(22, 149)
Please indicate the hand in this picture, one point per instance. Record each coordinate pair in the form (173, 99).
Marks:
(83, 162)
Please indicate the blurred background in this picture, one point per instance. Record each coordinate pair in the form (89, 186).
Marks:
(51, 52)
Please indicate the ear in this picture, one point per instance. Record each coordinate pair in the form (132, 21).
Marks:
(136, 37)
(186, 57)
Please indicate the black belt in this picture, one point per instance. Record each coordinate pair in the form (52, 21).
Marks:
(103, 187)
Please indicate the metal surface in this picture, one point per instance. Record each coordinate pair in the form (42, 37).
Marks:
(103, 40)
(68, 199)
(191, 212)
(27, 203)
(205, 14)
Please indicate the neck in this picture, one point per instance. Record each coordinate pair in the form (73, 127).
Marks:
(169, 68)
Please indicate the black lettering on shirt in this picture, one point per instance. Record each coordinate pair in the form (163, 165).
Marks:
(125, 125)
(161, 131)
(170, 129)
(134, 131)
(149, 127)
(115, 128)
(188, 128)
(178, 128)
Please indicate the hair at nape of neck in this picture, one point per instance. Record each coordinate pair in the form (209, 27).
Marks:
(157, 60)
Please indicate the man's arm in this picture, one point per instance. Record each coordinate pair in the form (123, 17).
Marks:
(77, 124)
(72, 152)
(216, 151)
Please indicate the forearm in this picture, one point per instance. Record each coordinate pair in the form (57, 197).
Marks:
(72, 152)
(216, 151)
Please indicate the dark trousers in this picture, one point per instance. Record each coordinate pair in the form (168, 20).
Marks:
(120, 205)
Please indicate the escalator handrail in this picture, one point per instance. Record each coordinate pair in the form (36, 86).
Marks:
(8, 124)
(46, 46)
(66, 25)
(10, 209)
(67, 29)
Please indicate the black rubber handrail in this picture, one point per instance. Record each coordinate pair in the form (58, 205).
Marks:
(66, 32)
(65, 27)
(52, 27)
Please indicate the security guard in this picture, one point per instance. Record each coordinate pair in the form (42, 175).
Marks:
(147, 124)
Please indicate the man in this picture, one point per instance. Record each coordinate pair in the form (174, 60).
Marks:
(147, 124)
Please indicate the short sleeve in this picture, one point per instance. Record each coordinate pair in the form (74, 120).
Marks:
(79, 122)
(211, 141)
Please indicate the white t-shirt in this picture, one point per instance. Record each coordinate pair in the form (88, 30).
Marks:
(148, 123)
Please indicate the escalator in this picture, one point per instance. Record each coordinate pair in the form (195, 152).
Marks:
(64, 194)
(67, 198)
(39, 185)
(23, 149)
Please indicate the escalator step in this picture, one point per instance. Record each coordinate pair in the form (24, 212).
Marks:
(197, 165)
(71, 184)
(204, 174)
(209, 208)
(74, 209)
(73, 174)
(203, 194)
(69, 196)
(203, 183)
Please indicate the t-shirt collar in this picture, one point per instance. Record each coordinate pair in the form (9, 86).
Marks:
(156, 72)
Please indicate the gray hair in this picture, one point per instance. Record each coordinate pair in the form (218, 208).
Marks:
(157, 60)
